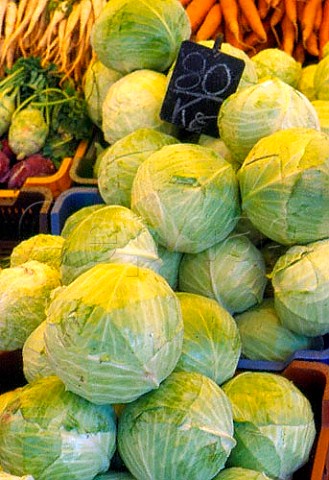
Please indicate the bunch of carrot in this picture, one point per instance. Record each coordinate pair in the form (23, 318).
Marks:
(57, 31)
(299, 27)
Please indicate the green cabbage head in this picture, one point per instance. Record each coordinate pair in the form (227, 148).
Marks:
(44, 247)
(35, 361)
(232, 272)
(256, 111)
(306, 81)
(96, 82)
(134, 101)
(120, 161)
(321, 79)
(300, 280)
(238, 473)
(114, 333)
(24, 296)
(188, 196)
(54, 434)
(284, 184)
(273, 424)
(264, 337)
(127, 38)
(275, 62)
(110, 234)
(76, 217)
(211, 344)
(187, 421)
(9, 476)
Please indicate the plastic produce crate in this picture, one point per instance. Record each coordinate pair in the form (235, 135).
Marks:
(23, 213)
(81, 171)
(69, 202)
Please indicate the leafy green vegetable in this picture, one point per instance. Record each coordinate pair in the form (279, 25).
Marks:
(188, 419)
(45, 248)
(35, 361)
(238, 473)
(275, 62)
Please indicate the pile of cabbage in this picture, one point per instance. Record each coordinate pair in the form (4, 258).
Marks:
(133, 320)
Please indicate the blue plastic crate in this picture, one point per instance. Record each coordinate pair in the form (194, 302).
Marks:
(69, 202)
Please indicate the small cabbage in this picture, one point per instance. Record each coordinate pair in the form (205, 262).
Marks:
(249, 75)
(134, 102)
(264, 337)
(27, 132)
(188, 195)
(231, 272)
(120, 161)
(54, 434)
(255, 112)
(127, 38)
(321, 79)
(45, 248)
(238, 473)
(300, 280)
(24, 295)
(35, 361)
(322, 109)
(7, 109)
(284, 184)
(274, 62)
(211, 344)
(273, 424)
(97, 80)
(169, 268)
(109, 234)
(306, 81)
(76, 217)
(187, 421)
(114, 333)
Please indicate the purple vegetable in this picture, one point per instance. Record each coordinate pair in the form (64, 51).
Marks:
(4, 167)
(35, 165)
(5, 148)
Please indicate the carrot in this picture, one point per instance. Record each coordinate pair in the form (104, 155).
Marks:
(11, 13)
(86, 14)
(324, 27)
(37, 13)
(276, 18)
(291, 12)
(249, 9)
(58, 14)
(210, 24)
(299, 52)
(230, 12)
(318, 18)
(197, 11)
(185, 2)
(308, 18)
(263, 8)
(288, 35)
(311, 44)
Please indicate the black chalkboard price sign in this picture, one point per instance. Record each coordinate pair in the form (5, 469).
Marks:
(201, 80)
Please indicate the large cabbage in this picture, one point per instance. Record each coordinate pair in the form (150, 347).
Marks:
(134, 101)
(183, 430)
(275, 62)
(76, 217)
(306, 81)
(284, 183)
(169, 268)
(54, 434)
(257, 111)
(97, 80)
(114, 333)
(273, 424)
(322, 110)
(211, 344)
(264, 337)
(188, 196)
(109, 234)
(45, 248)
(231, 272)
(128, 36)
(120, 161)
(24, 295)
(300, 280)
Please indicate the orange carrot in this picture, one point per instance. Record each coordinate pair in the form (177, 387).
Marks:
(288, 35)
(197, 11)
(291, 12)
(308, 18)
(250, 11)
(324, 27)
(311, 44)
(299, 52)
(233, 38)
(263, 7)
(276, 18)
(318, 18)
(211, 23)
(230, 12)
(185, 2)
